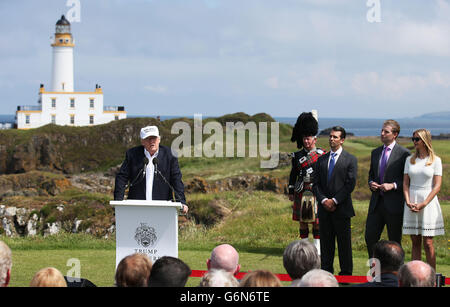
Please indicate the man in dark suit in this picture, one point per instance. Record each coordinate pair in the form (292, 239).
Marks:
(390, 257)
(387, 163)
(146, 179)
(333, 184)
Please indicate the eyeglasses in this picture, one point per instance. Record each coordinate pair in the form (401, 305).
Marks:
(415, 139)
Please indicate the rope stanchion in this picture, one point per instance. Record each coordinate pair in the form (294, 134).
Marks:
(285, 277)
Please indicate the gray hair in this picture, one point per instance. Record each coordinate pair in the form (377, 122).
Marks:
(417, 274)
(5, 261)
(218, 278)
(300, 257)
(318, 278)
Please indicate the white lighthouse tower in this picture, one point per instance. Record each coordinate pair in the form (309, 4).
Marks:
(62, 105)
(62, 72)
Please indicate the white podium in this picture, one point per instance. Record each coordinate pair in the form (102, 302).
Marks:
(148, 227)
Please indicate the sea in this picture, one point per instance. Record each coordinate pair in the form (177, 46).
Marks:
(357, 126)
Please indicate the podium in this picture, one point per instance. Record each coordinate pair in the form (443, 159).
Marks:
(146, 226)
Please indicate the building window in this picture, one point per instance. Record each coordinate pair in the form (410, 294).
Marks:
(91, 119)
(116, 117)
(53, 119)
(27, 119)
(72, 103)
(53, 103)
(91, 103)
(72, 119)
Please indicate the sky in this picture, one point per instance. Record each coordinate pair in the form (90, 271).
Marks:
(344, 58)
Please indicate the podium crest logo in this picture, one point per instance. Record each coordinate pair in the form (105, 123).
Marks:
(145, 235)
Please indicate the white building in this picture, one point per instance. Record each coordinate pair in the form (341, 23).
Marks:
(62, 105)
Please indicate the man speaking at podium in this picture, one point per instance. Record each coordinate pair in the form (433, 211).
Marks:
(150, 171)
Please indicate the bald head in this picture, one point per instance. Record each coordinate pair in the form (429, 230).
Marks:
(417, 274)
(224, 257)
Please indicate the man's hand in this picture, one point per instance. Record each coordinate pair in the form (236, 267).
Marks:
(387, 187)
(374, 186)
(291, 197)
(185, 209)
(329, 205)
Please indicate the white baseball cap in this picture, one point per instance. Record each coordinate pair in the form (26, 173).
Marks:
(149, 131)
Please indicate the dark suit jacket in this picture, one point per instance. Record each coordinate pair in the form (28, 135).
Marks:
(387, 280)
(341, 185)
(393, 199)
(134, 163)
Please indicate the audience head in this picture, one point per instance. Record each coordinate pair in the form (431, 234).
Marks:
(318, 278)
(169, 272)
(390, 254)
(218, 278)
(224, 257)
(300, 257)
(416, 274)
(133, 271)
(5, 264)
(260, 278)
(48, 277)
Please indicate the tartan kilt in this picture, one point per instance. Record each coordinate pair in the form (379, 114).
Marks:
(296, 206)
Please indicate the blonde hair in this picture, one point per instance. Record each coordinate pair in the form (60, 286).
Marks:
(260, 278)
(48, 277)
(425, 136)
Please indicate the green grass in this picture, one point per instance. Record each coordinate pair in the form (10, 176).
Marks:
(259, 226)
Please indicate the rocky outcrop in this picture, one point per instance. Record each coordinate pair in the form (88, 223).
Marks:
(245, 182)
(52, 219)
(33, 184)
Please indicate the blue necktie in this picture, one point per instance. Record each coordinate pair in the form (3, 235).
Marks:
(331, 166)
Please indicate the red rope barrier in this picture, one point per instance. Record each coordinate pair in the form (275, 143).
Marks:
(285, 277)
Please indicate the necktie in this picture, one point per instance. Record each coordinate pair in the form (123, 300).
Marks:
(331, 166)
(383, 163)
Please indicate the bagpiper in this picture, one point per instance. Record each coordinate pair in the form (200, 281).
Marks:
(304, 208)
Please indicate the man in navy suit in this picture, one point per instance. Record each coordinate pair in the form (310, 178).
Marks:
(336, 180)
(387, 163)
(148, 180)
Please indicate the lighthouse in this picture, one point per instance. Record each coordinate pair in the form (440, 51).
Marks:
(60, 104)
(62, 72)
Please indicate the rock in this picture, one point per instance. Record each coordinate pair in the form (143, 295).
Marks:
(8, 227)
(197, 185)
(10, 211)
(32, 225)
(22, 216)
(76, 225)
(52, 229)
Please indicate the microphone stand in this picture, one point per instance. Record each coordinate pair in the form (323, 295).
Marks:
(174, 193)
(142, 171)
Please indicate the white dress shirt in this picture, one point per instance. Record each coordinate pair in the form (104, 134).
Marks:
(149, 174)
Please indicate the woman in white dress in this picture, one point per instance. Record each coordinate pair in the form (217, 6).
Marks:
(422, 217)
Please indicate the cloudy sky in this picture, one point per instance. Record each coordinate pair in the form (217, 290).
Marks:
(282, 57)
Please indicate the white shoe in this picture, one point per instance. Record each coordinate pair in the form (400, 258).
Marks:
(317, 245)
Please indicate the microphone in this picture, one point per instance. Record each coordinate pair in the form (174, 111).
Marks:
(155, 163)
(145, 166)
(142, 171)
